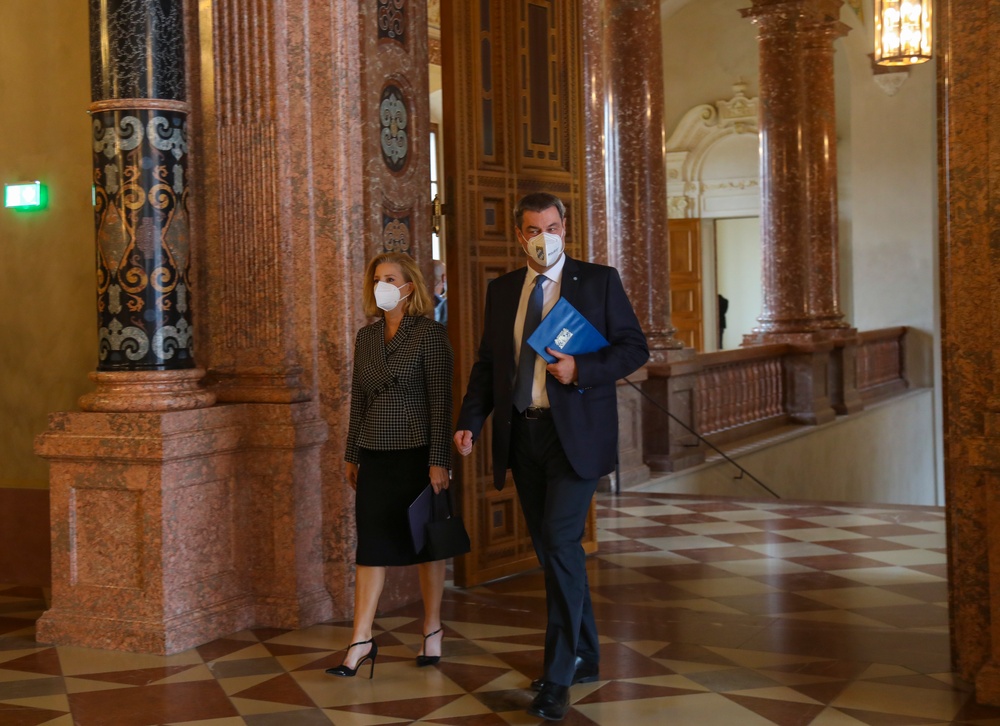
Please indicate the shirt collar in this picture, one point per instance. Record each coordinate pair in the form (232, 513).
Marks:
(554, 273)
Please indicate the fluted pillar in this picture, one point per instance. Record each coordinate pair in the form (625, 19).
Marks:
(141, 154)
(257, 220)
(635, 168)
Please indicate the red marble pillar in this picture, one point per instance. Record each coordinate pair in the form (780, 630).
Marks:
(969, 189)
(635, 169)
(259, 247)
(798, 169)
(799, 204)
(782, 111)
(820, 151)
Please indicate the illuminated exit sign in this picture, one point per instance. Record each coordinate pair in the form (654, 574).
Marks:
(24, 195)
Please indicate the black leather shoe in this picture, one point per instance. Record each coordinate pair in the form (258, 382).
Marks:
(551, 703)
(585, 673)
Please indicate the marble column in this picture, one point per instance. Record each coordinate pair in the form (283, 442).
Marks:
(799, 212)
(173, 527)
(785, 271)
(258, 238)
(798, 169)
(625, 165)
(820, 152)
(968, 32)
(141, 159)
(624, 53)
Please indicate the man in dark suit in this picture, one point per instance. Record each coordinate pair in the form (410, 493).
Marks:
(555, 426)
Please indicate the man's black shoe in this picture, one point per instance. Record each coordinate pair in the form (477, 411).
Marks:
(551, 703)
(585, 673)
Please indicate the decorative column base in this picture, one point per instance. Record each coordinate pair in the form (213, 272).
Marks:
(164, 535)
(259, 384)
(668, 446)
(135, 391)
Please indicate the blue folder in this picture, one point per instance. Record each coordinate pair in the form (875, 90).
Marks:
(566, 330)
(419, 513)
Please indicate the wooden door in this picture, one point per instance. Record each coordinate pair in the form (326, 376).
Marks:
(686, 308)
(512, 111)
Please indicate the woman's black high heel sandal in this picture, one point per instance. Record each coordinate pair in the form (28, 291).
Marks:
(345, 672)
(428, 660)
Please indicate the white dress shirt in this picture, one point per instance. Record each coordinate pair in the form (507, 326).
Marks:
(539, 396)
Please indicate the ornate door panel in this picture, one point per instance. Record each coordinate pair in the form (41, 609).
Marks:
(512, 112)
(685, 281)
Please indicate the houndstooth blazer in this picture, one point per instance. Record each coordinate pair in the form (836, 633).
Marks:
(401, 390)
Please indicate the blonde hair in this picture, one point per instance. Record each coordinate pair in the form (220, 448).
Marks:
(419, 301)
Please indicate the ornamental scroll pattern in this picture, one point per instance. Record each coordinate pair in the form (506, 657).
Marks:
(396, 230)
(143, 246)
(392, 21)
(394, 139)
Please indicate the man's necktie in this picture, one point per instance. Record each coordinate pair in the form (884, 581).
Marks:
(526, 360)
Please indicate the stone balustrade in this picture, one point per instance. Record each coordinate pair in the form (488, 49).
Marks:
(731, 395)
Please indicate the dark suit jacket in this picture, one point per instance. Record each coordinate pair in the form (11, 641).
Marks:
(585, 415)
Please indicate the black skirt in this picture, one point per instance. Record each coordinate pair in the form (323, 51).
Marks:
(388, 482)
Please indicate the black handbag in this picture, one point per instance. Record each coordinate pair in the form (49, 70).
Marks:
(446, 535)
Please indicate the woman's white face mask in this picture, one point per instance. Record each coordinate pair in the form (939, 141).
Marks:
(387, 295)
(545, 248)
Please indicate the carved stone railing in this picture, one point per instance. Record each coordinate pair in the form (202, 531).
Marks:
(739, 387)
(731, 395)
(881, 363)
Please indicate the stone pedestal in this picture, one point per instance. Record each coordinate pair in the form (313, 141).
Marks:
(170, 530)
(807, 382)
(668, 445)
(632, 470)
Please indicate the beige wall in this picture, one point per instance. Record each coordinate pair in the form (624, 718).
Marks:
(47, 279)
(707, 46)
(877, 456)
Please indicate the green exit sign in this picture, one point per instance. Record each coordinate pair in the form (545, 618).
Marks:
(24, 195)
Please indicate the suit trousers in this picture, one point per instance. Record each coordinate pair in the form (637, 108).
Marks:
(555, 502)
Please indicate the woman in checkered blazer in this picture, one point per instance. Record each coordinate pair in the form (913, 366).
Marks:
(398, 441)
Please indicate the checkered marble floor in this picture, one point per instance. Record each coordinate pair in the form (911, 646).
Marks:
(711, 611)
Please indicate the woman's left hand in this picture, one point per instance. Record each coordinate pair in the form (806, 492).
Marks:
(439, 478)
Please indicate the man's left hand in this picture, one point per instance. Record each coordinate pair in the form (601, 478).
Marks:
(564, 369)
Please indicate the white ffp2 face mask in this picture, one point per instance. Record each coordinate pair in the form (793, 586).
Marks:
(387, 296)
(545, 248)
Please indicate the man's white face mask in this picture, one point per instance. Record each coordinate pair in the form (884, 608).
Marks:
(545, 248)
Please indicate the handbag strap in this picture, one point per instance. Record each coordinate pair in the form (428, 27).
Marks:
(444, 494)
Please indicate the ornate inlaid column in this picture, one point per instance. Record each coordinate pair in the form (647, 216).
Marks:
(636, 166)
(141, 153)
